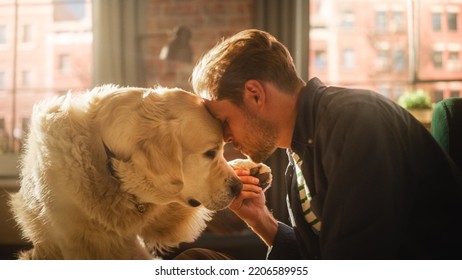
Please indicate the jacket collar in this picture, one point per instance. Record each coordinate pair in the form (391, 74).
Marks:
(304, 129)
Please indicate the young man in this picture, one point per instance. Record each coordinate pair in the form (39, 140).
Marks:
(375, 183)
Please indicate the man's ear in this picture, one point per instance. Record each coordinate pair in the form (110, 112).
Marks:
(254, 94)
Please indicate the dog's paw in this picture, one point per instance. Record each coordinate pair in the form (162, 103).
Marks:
(258, 170)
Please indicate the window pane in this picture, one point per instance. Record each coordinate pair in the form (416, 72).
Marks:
(69, 10)
(380, 21)
(389, 51)
(53, 54)
(437, 58)
(26, 78)
(436, 21)
(454, 61)
(454, 93)
(382, 61)
(64, 62)
(320, 59)
(349, 59)
(348, 20)
(2, 34)
(438, 95)
(26, 33)
(398, 24)
(399, 60)
(2, 79)
(452, 21)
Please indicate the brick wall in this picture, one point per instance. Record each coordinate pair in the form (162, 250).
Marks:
(208, 20)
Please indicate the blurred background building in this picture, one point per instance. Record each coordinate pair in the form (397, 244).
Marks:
(390, 46)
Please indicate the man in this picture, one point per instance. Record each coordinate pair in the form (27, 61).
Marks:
(375, 183)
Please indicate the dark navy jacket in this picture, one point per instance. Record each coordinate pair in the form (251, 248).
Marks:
(381, 185)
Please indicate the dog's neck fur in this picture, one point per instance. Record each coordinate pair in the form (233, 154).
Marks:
(141, 207)
(110, 168)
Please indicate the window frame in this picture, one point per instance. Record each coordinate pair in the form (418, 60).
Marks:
(24, 38)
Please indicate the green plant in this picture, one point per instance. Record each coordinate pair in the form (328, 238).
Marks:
(415, 100)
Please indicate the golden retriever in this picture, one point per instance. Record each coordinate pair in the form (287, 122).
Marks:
(120, 173)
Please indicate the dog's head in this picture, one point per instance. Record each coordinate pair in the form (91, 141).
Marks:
(166, 147)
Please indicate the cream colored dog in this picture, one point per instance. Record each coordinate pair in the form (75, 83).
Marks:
(120, 173)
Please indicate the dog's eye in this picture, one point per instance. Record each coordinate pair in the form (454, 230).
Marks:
(210, 154)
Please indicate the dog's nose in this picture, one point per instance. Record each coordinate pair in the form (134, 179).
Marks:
(236, 186)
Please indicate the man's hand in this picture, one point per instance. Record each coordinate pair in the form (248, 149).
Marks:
(250, 205)
(251, 200)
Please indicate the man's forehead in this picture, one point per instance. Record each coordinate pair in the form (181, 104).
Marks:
(215, 107)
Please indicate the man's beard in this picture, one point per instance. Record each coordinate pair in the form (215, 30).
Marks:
(261, 142)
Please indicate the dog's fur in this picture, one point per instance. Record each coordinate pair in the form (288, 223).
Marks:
(120, 173)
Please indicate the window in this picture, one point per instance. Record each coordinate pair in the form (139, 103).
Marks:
(453, 55)
(438, 96)
(454, 93)
(26, 78)
(382, 61)
(398, 46)
(26, 37)
(349, 59)
(397, 21)
(452, 21)
(64, 63)
(3, 40)
(320, 59)
(399, 60)
(380, 21)
(436, 21)
(347, 20)
(397, 92)
(29, 72)
(2, 79)
(437, 59)
(453, 61)
(69, 10)
(384, 90)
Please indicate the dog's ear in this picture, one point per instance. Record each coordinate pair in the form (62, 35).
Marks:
(161, 156)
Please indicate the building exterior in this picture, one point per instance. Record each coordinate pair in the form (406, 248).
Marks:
(45, 49)
(389, 46)
(439, 60)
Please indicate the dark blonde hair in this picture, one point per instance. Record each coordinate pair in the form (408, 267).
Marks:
(248, 55)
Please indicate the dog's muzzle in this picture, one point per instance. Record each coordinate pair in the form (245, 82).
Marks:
(236, 186)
